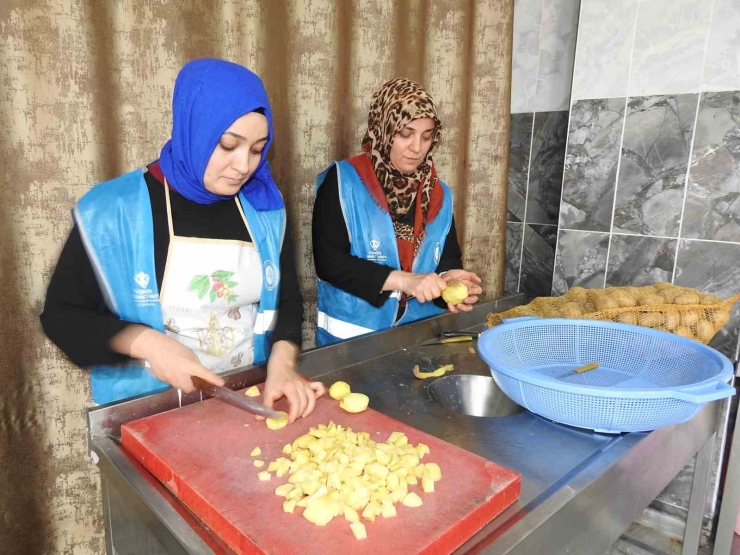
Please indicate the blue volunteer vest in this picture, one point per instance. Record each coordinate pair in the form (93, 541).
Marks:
(115, 223)
(342, 315)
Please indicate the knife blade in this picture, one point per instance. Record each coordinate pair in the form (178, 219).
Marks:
(235, 399)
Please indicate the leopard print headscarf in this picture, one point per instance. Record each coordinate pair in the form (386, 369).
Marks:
(393, 106)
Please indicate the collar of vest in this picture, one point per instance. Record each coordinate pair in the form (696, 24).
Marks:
(363, 165)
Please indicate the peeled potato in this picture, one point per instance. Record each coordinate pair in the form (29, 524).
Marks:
(355, 402)
(672, 320)
(455, 293)
(264, 476)
(289, 506)
(627, 318)
(258, 463)
(256, 451)
(252, 392)
(684, 331)
(704, 331)
(687, 298)
(339, 390)
(277, 423)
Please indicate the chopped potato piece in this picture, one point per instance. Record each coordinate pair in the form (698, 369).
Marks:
(355, 402)
(252, 391)
(284, 489)
(412, 500)
(258, 463)
(256, 451)
(359, 531)
(339, 390)
(432, 471)
(427, 484)
(335, 471)
(388, 510)
(351, 515)
(320, 512)
(264, 476)
(277, 423)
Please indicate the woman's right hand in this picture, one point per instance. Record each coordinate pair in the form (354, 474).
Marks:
(423, 287)
(171, 362)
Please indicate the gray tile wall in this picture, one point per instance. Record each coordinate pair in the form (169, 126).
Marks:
(651, 190)
(542, 70)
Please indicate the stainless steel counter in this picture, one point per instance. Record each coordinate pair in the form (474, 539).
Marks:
(580, 490)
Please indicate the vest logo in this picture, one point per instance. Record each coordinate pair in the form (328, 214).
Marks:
(142, 279)
(374, 244)
(376, 255)
(437, 253)
(272, 275)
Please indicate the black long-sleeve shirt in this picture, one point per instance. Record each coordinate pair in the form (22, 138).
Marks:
(75, 316)
(359, 277)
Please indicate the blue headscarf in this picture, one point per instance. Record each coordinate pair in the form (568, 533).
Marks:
(209, 96)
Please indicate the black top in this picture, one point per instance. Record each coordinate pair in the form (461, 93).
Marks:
(75, 316)
(359, 277)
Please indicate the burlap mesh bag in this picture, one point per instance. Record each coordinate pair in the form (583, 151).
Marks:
(663, 306)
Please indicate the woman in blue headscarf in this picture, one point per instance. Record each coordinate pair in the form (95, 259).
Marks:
(180, 269)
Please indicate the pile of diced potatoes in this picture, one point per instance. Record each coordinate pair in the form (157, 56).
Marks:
(335, 471)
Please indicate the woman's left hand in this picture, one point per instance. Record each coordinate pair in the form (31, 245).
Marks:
(471, 281)
(283, 380)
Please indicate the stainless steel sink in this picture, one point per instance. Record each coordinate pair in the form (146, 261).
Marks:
(472, 395)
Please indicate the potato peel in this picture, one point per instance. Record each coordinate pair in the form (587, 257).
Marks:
(441, 371)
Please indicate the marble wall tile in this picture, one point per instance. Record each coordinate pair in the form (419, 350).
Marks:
(670, 40)
(557, 54)
(591, 164)
(513, 256)
(520, 142)
(546, 167)
(636, 260)
(538, 260)
(655, 157)
(605, 35)
(525, 54)
(722, 66)
(713, 268)
(580, 260)
(712, 208)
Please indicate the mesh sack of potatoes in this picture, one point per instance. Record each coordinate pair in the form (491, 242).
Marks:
(663, 306)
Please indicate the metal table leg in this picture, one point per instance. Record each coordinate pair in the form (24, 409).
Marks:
(702, 473)
(730, 497)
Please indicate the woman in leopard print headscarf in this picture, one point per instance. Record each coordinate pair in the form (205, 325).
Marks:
(383, 224)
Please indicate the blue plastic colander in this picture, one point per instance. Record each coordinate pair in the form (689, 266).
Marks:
(646, 378)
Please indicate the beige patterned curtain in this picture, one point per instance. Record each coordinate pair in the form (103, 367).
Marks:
(85, 90)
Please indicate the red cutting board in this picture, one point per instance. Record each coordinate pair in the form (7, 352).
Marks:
(201, 454)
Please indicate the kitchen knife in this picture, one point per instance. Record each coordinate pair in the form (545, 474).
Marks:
(233, 398)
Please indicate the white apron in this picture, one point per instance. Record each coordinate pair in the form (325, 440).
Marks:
(210, 294)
